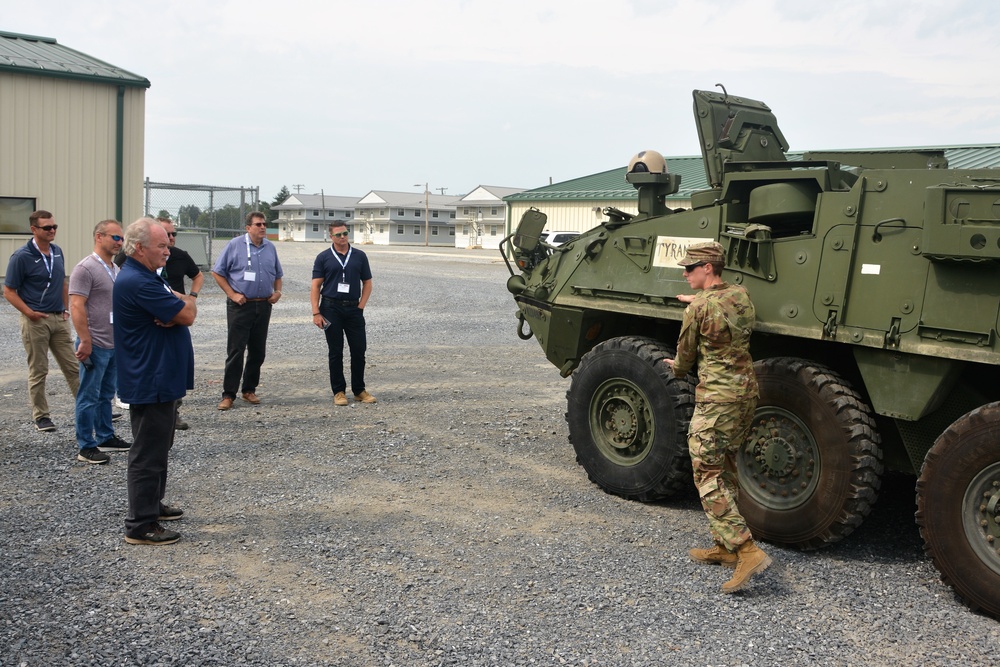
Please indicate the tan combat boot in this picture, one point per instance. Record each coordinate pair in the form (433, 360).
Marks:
(339, 398)
(716, 555)
(750, 561)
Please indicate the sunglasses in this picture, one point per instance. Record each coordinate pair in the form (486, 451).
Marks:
(47, 228)
(692, 267)
(116, 238)
(338, 234)
(257, 224)
(171, 233)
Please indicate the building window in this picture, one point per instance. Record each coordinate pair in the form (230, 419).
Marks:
(493, 211)
(399, 229)
(465, 211)
(465, 229)
(416, 230)
(434, 230)
(400, 212)
(315, 227)
(452, 216)
(493, 230)
(315, 214)
(381, 213)
(451, 231)
(14, 214)
(381, 229)
(416, 212)
(434, 214)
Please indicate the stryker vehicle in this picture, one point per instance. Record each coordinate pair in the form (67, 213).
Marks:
(876, 281)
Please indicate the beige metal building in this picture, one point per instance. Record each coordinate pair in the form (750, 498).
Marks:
(71, 142)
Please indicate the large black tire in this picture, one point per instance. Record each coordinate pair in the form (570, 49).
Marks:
(958, 507)
(628, 418)
(811, 468)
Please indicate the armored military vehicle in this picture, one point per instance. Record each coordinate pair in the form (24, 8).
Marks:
(876, 281)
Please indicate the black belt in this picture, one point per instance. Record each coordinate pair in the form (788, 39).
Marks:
(338, 302)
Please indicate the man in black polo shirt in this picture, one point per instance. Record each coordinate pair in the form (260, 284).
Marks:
(341, 285)
(179, 265)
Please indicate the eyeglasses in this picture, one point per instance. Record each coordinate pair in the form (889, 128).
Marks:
(171, 233)
(339, 234)
(47, 228)
(116, 238)
(257, 224)
(692, 267)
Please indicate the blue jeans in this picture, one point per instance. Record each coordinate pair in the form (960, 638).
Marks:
(98, 385)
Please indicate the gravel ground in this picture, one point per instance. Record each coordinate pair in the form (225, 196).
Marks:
(447, 525)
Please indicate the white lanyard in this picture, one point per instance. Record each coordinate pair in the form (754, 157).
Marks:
(49, 259)
(343, 264)
(111, 272)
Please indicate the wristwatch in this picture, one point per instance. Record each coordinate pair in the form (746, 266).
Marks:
(194, 294)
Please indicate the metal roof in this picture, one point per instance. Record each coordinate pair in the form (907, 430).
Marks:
(43, 56)
(611, 184)
(327, 202)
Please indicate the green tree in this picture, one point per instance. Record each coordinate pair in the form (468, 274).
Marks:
(279, 199)
(187, 216)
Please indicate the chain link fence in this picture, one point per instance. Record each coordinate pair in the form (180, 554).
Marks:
(206, 216)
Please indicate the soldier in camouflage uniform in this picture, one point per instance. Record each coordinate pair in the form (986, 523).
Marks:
(715, 333)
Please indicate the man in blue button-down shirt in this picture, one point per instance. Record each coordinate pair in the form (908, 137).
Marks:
(249, 272)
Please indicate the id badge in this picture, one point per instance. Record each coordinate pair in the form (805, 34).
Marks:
(343, 288)
(249, 276)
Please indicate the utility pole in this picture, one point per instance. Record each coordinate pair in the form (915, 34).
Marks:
(298, 187)
(427, 215)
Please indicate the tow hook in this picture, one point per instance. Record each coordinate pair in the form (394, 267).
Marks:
(520, 328)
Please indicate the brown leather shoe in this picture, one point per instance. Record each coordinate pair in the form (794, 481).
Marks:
(751, 560)
(340, 398)
(225, 403)
(717, 555)
(364, 397)
(250, 397)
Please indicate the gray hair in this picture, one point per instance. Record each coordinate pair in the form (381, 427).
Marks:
(102, 226)
(138, 233)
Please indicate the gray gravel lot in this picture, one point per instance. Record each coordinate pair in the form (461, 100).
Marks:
(447, 525)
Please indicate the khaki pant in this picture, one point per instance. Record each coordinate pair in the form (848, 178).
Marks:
(48, 333)
(717, 432)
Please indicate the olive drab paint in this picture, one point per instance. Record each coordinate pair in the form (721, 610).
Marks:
(875, 276)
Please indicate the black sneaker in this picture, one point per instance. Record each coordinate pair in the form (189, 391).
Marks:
(92, 455)
(180, 424)
(114, 444)
(168, 513)
(154, 534)
(44, 424)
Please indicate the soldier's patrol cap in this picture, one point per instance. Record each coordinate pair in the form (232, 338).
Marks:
(701, 253)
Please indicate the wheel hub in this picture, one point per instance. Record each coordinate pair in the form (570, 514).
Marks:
(982, 515)
(780, 459)
(621, 421)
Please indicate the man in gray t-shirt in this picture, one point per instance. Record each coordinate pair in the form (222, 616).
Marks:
(91, 289)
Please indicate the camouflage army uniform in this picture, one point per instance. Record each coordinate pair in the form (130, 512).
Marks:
(716, 333)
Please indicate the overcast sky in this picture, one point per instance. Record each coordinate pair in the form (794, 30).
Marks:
(383, 94)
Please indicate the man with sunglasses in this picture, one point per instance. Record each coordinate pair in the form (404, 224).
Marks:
(91, 290)
(341, 286)
(179, 265)
(249, 272)
(36, 285)
(715, 333)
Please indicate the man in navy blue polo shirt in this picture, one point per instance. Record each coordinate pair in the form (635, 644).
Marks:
(155, 362)
(36, 285)
(341, 285)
